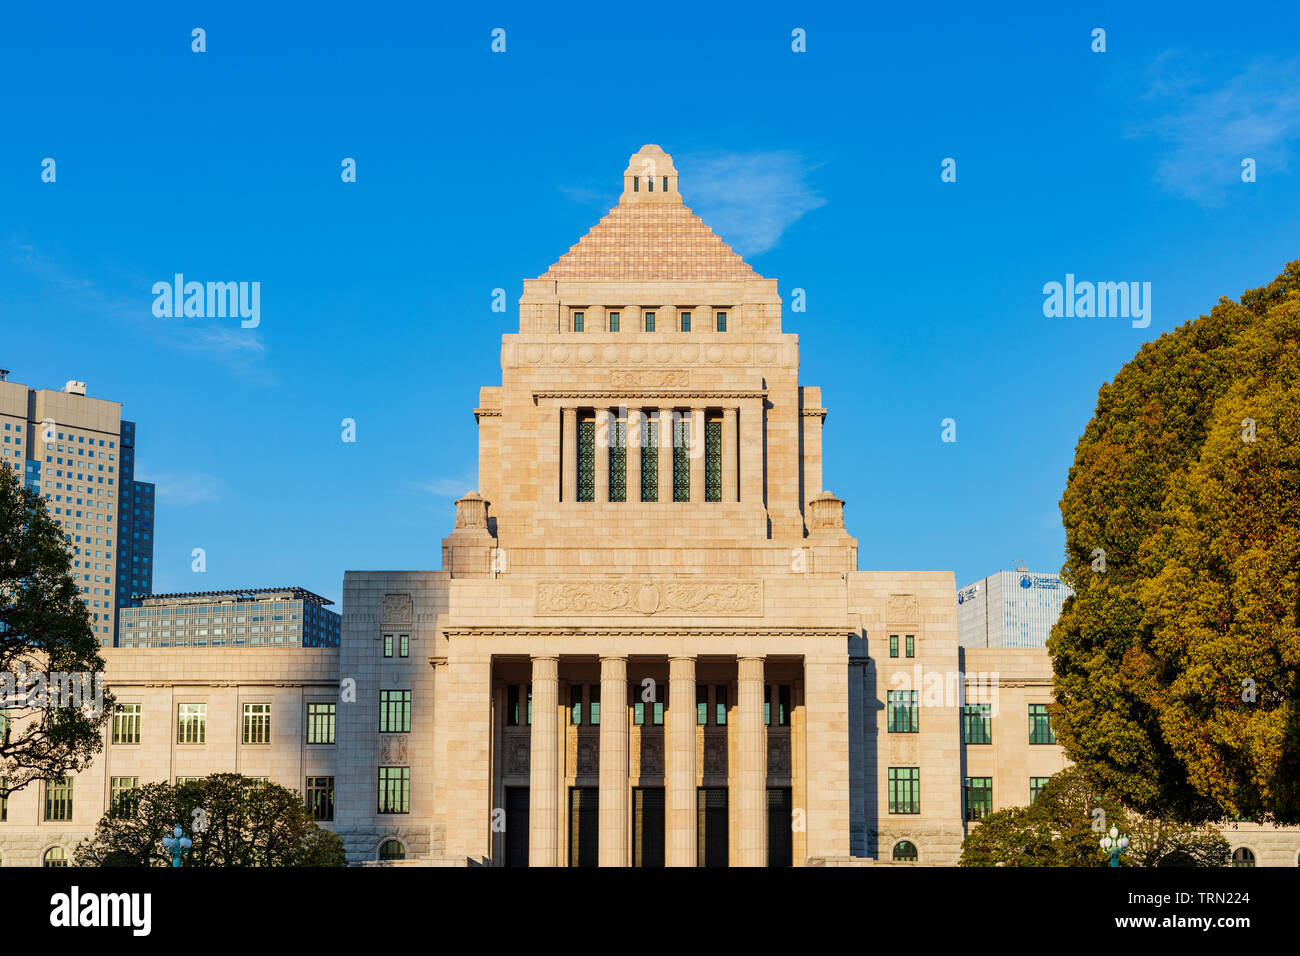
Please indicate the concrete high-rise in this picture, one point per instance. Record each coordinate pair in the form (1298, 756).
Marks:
(1010, 609)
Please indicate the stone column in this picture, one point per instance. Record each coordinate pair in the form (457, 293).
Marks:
(679, 765)
(665, 455)
(697, 455)
(569, 455)
(635, 426)
(604, 439)
(544, 766)
(751, 451)
(729, 449)
(752, 766)
(614, 829)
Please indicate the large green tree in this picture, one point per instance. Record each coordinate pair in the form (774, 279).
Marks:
(1177, 661)
(232, 821)
(44, 630)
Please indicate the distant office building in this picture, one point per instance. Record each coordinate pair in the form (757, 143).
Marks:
(78, 454)
(271, 617)
(1010, 609)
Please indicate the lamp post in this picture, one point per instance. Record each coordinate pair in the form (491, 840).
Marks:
(176, 844)
(1114, 844)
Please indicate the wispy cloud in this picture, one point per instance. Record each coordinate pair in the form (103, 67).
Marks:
(451, 488)
(181, 489)
(1210, 126)
(749, 199)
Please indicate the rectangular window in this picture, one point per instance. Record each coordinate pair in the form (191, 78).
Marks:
(257, 723)
(720, 705)
(1040, 728)
(686, 321)
(657, 713)
(613, 321)
(394, 789)
(713, 461)
(404, 645)
(394, 711)
(530, 703)
(893, 645)
(58, 798)
(191, 723)
(649, 321)
(593, 705)
(977, 724)
(388, 645)
(979, 797)
(904, 789)
(512, 705)
(618, 459)
(578, 320)
(783, 705)
(126, 724)
(587, 460)
(767, 704)
(320, 797)
(911, 645)
(681, 458)
(701, 704)
(320, 723)
(650, 460)
(122, 796)
(1036, 785)
(721, 318)
(575, 703)
(903, 713)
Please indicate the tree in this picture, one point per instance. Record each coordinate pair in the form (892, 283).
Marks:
(1177, 661)
(1063, 827)
(232, 820)
(54, 727)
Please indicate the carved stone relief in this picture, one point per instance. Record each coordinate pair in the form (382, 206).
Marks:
(646, 597)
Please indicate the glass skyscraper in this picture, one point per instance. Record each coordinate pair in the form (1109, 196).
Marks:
(1010, 609)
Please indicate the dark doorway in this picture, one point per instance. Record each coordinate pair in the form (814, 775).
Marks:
(711, 835)
(648, 826)
(584, 826)
(516, 826)
(780, 830)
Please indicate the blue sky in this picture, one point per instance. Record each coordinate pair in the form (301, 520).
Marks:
(476, 170)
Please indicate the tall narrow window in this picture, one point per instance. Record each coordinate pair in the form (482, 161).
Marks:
(893, 645)
(721, 318)
(1040, 727)
(320, 723)
(618, 459)
(394, 711)
(191, 723)
(394, 789)
(613, 321)
(686, 321)
(720, 705)
(593, 705)
(783, 705)
(388, 645)
(650, 182)
(587, 460)
(902, 712)
(767, 704)
(649, 460)
(636, 184)
(904, 789)
(911, 645)
(320, 797)
(701, 704)
(575, 703)
(404, 645)
(681, 458)
(977, 724)
(58, 798)
(512, 705)
(649, 321)
(713, 461)
(257, 723)
(579, 320)
(665, 184)
(126, 724)
(979, 797)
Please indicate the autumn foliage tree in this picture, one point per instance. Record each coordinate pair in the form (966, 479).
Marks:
(1177, 662)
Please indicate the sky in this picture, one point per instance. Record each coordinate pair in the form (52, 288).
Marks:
(477, 169)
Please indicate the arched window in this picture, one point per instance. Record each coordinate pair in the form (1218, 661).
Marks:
(905, 852)
(1243, 857)
(55, 856)
(392, 850)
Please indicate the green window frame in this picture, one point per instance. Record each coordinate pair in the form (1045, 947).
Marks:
(977, 724)
(701, 704)
(713, 461)
(122, 797)
(404, 645)
(126, 723)
(720, 321)
(394, 711)
(910, 650)
(388, 645)
(903, 712)
(321, 720)
(319, 794)
(613, 321)
(1040, 726)
(618, 460)
(649, 321)
(681, 458)
(767, 705)
(893, 645)
(685, 321)
(394, 789)
(58, 798)
(978, 797)
(650, 460)
(257, 723)
(191, 723)
(657, 714)
(720, 705)
(593, 705)
(1036, 785)
(587, 460)
(579, 321)
(904, 789)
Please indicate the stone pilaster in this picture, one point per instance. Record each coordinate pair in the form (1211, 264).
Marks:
(751, 821)
(729, 449)
(614, 829)
(697, 455)
(604, 439)
(665, 455)
(680, 773)
(635, 429)
(544, 766)
(569, 456)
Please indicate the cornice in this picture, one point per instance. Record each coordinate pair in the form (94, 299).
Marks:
(686, 630)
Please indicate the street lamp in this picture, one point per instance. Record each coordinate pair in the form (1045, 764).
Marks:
(176, 844)
(1114, 844)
